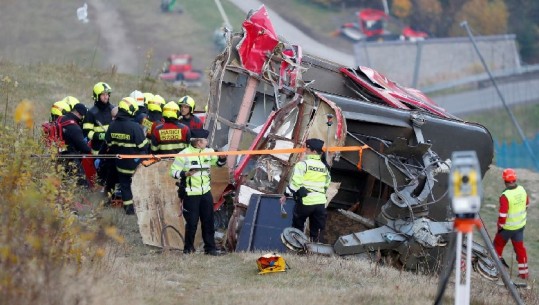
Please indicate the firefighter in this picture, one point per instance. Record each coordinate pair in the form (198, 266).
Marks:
(74, 140)
(194, 190)
(187, 105)
(99, 117)
(308, 185)
(514, 203)
(170, 136)
(71, 101)
(155, 108)
(142, 112)
(58, 109)
(125, 137)
(72, 133)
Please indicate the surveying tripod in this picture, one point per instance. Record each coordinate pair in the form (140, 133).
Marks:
(465, 191)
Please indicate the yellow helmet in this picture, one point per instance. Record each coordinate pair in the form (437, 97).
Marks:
(100, 88)
(60, 108)
(187, 100)
(129, 105)
(147, 97)
(71, 101)
(157, 103)
(171, 110)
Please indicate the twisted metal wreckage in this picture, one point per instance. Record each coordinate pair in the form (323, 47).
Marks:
(267, 94)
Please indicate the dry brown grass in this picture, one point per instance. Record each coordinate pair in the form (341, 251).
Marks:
(137, 274)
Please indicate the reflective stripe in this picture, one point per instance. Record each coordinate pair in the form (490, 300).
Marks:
(523, 265)
(517, 214)
(141, 145)
(128, 202)
(88, 126)
(503, 214)
(125, 171)
(523, 271)
(101, 128)
(168, 146)
(515, 223)
(91, 134)
(123, 144)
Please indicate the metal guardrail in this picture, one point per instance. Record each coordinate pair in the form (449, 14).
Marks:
(480, 77)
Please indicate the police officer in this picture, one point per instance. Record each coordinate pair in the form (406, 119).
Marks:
(514, 203)
(98, 118)
(308, 185)
(187, 106)
(195, 190)
(170, 136)
(125, 137)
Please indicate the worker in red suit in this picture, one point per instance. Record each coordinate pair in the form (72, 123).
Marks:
(514, 203)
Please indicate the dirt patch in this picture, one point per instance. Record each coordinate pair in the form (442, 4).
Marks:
(114, 35)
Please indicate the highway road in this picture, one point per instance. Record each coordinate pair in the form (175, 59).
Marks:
(488, 98)
(295, 36)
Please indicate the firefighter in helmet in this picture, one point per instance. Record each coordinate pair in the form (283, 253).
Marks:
(71, 101)
(58, 109)
(170, 136)
(187, 107)
(125, 137)
(155, 108)
(98, 118)
(514, 203)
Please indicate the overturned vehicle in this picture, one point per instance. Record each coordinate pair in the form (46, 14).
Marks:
(388, 148)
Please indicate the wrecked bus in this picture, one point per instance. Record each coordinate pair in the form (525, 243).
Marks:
(388, 193)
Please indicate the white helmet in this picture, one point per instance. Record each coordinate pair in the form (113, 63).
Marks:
(138, 96)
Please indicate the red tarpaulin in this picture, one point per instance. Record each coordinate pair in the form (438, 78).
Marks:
(258, 41)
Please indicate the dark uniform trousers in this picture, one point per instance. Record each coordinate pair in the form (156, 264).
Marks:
(317, 219)
(194, 208)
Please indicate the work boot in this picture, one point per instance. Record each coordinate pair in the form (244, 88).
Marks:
(188, 251)
(214, 253)
(129, 209)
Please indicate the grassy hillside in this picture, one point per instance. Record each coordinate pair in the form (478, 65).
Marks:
(44, 84)
(132, 273)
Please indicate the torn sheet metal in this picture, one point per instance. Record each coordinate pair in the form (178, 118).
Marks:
(278, 96)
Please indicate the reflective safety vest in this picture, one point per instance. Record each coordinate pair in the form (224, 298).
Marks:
(314, 176)
(516, 215)
(199, 182)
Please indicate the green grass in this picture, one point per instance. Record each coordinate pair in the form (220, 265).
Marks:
(44, 84)
(500, 125)
(46, 31)
(492, 189)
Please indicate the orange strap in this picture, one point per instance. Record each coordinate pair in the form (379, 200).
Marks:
(245, 152)
(360, 152)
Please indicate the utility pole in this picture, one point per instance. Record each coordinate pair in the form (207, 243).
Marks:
(223, 14)
(464, 24)
(386, 7)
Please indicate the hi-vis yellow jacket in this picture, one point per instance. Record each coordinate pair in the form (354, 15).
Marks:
(199, 182)
(314, 176)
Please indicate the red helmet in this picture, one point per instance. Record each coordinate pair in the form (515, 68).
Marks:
(509, 175)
